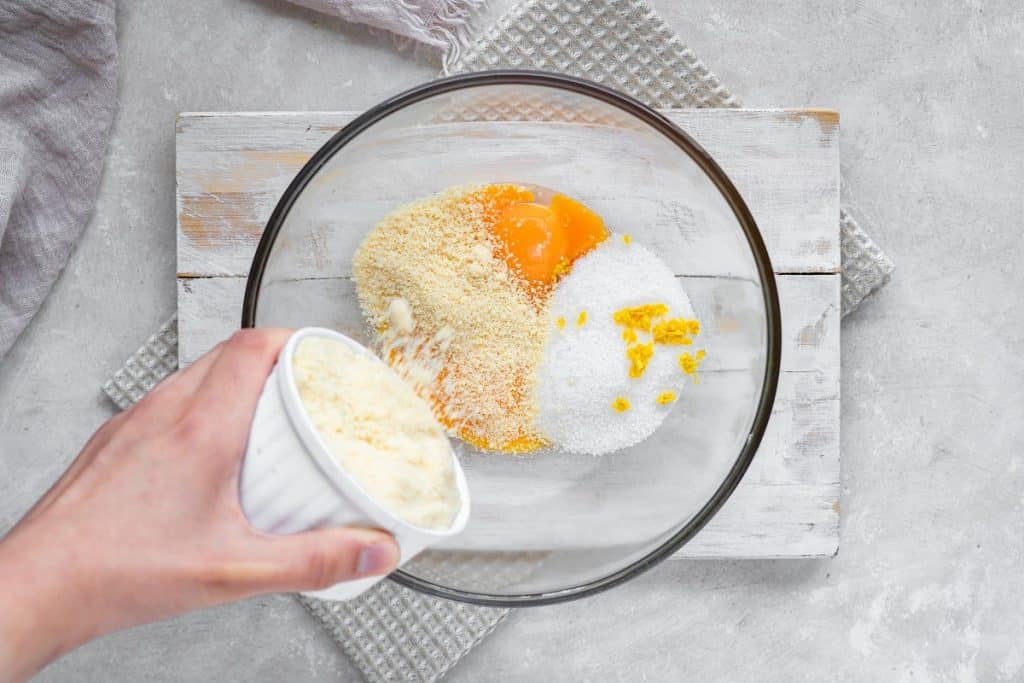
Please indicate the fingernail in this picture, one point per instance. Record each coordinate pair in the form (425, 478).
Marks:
(375, 559)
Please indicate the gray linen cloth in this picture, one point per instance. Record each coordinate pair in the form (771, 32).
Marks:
(58, 92)
(441, 26)
(58, 95)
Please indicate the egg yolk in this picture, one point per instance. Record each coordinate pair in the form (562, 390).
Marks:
(585, 229)
(494, 199)
(534, 241)
(539, 242)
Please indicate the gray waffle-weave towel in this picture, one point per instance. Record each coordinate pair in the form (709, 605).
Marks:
(392, 633)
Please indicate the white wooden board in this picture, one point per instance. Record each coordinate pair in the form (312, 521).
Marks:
(232, 168)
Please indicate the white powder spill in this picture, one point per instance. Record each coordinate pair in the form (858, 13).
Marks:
(585, 368)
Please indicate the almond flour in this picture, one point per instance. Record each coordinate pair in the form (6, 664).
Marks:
(379, 431)
(437, 255)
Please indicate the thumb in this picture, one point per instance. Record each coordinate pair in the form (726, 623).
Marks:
(313, 560)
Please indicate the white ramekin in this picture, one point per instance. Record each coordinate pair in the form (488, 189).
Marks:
(290, 482)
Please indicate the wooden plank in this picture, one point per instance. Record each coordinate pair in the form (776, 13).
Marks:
(211, 310)
(233, 168)
(785, 506)
(785, 163)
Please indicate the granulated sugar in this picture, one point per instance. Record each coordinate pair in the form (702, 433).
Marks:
(587, 400)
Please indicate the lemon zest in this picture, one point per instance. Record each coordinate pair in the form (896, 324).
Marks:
(620, 404)
(639, 356)
(665, 397)
(639, 317)
(675, 331)
(689, 363)
(562, 268)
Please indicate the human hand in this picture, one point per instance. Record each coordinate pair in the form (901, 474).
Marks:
(146, 523)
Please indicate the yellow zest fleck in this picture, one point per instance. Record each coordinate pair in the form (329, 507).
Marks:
(626, 239)
(639, 356)
(562, 268)
(689, 363)
(639, 317)
(629, 335)
(561, 323)
(675, 331)
(620, 404)
(665, 397)
(581, 319)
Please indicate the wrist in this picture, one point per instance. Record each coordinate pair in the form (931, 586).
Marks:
(39, 591)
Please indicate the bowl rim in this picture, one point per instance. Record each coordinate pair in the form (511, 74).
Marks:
(714, 173)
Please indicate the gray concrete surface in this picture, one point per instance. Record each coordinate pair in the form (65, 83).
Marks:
(929, 581)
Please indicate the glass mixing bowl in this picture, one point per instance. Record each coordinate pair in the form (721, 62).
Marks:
(551, 526)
